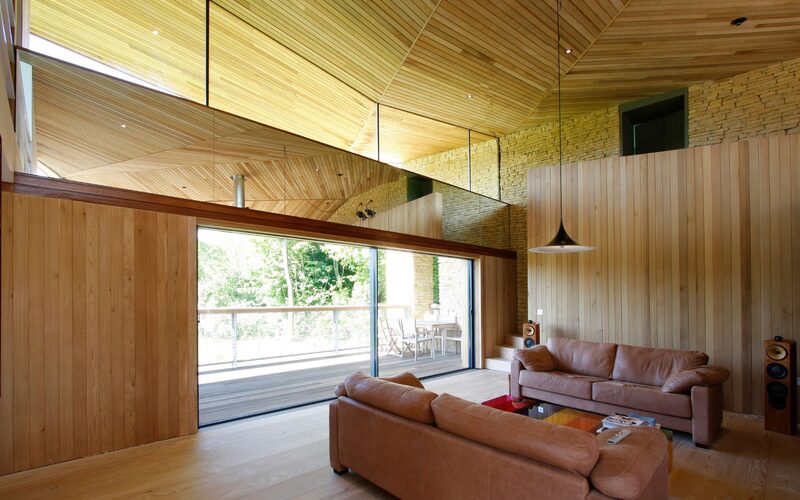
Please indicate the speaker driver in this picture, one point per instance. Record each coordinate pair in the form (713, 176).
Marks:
(777, 370)
(776, 352)
(777, 403)
(529, 342)
(777, 390)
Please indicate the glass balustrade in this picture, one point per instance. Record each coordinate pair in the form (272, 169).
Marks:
(98, 129)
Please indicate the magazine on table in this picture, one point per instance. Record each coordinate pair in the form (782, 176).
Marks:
(632, 420)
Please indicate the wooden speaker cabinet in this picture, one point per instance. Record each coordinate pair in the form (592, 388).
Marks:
(530, 334)
(780, 385)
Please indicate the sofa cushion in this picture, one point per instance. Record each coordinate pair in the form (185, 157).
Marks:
(570, 384)
(625, 468)
(405, 378)
(651, 366)
(642, 397)
(681, 382)
(559, 446)
(536, 358)
(408, 402)
(585, 358)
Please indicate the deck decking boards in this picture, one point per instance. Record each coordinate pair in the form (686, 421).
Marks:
(230, 399)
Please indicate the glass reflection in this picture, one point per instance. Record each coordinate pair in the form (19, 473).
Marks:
(97, 129)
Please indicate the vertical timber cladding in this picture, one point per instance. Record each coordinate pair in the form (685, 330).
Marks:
(99, 329)
(696, 249)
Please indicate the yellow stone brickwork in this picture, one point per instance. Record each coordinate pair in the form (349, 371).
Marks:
(765, 101)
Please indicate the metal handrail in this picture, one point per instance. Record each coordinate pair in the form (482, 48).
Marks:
(277, 309)
(235, 311)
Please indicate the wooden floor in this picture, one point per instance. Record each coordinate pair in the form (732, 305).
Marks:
(221, 401)
(285, 455)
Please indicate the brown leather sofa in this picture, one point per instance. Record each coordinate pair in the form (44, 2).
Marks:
(676, 387)
(416, 444)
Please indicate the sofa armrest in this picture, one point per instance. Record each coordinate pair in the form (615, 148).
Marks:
(682, 381)
(634, 468)
(516, 390)
(333, 437)
(706, 413)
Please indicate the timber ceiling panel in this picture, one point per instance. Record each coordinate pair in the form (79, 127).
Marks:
(658, 46)
(501, 53)
(254, 76)
(177, 148)
(362, 43)
(405, 136)
(120, 34)
(80, 117)
(317, 68)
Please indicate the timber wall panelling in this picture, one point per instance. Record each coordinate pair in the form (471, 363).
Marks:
(496, 282)
(697, 248)
(99, 329)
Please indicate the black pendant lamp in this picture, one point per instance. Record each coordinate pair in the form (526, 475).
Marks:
(561, 243)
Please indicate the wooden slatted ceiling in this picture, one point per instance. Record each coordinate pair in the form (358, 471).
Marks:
(79, 117)
(502, 54)
(316, 68)
(306, 187)
(254, 76)
(120, 34)
(658, 46)
(180, 149)
(405, 136)
(361, 43)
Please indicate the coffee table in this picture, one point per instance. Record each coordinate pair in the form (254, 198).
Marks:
(579, 419)
(506, 403)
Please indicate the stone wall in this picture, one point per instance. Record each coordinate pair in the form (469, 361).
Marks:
(423, 285)
(760, 102)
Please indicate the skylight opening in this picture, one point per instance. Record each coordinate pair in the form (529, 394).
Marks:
(48, 48)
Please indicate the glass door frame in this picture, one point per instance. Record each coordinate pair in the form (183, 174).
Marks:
(373, 308)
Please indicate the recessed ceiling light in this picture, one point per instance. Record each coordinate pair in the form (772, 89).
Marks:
(122, 125)
(738, 21)
(155, 32)
(568, 51)
(470, 96)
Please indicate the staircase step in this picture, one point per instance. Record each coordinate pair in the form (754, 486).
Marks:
(505, 351)
(498, 364)
(515, 340)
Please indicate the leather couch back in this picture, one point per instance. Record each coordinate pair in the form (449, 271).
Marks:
(584, 358)
(414, 460)
(563, 447)
(408, 402)
(651, 366)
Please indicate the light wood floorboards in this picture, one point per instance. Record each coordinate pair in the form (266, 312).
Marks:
(285, 455)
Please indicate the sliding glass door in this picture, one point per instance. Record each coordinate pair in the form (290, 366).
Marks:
(424, 321)
(282, 321)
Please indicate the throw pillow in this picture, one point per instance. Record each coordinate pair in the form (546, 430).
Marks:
(535, 359)
(405, 378)
(683, 381)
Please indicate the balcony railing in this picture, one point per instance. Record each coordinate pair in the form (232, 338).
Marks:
(260, 335)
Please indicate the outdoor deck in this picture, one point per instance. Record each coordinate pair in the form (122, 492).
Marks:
(230, 394)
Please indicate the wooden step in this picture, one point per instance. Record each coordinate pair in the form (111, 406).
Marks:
(504, 351)
(515, 340)
(498, 364)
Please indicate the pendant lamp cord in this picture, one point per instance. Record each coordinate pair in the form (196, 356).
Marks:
(558, 78)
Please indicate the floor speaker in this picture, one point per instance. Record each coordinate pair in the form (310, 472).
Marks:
(780, 385)
(530, 334)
